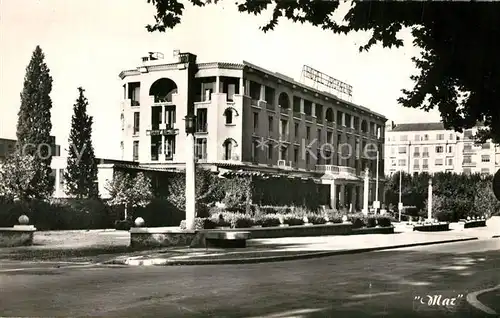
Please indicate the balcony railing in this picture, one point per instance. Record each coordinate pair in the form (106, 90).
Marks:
(254, 102)
(309, 117)
(284, 137)
(338, 170)
(425, 167)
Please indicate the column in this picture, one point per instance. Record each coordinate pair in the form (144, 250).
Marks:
(342, 195)
(351, 124)
(343, 119)
(247, 88)
(217, 85)
(242, 87)
(333, 194)
(360, 196)
(58, 182)
(365, 192)
(353, 196)
(301, 105)
(162, 149)
(163, 119)
(190, 183)
(313, 110)
(262, 92)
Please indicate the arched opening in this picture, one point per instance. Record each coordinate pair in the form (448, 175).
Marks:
(284, 100)
(162, 90)
(229, 113)
(329, 115)
(364, 126)
(228, 145)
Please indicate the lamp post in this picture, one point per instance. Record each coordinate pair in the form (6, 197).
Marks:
(190, 122)
(377, 203)
(429, 201)
(400, 204)
(365, 191)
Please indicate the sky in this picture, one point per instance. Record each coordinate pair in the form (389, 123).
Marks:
(88, 43)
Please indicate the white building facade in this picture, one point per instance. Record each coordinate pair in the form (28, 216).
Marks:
(429, 147)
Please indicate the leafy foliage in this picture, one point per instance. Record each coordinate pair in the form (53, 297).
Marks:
(129, 191)
(81, 173)
(208, 189)
(16, 177)
(459, 68)
(34, 124)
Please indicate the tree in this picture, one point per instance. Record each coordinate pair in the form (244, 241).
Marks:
(208, 190)
(485, 202)
(16, 177)
(34, 124)
(129, 192)
(459, 65)
(81, 172)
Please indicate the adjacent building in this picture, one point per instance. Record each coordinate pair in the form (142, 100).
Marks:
(249, 119)
(429, 147)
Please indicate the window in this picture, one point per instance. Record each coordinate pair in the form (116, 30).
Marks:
(270, 152)
(308, 132)
(439, 162)
(283, 153)
(485, 145)
(271, 123)
(284, 127)
(425, 163)
(307, 158)
(450, 161)
(319, 135)
(393, 150)
(416, 163)
(122, 120)
(136, 122)
(295, 155)
(403, 138)
(467, 159)
(228, 149)
(402, 150)
(255, 151)
(450, 149)
(426, 152)
(402, 162)
(229, 116)
(439, 149)
(134, 93)
(169, 147)
(296, 130)
(416, 152)
(393, 162)
(201, 120)
(466, 170)
(452, 137)
(201, 148)
(269, 95)
(485, 170)
(440, 136)
(417, 137)
(135, 150)
(170, 116)
(426, 137)
(485, 158)
(255, 121)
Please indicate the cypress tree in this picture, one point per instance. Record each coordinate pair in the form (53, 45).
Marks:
(81, 172)
(34, 124)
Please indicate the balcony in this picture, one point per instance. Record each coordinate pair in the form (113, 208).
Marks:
(201, 128)
(162, 130)
(417, 154)
(469, 164)
(337, 170)
(254, 102)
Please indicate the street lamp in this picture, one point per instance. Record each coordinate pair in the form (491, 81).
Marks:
(190, 123)
(400, 204)
(429, 201)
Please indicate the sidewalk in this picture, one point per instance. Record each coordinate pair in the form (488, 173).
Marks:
(281, 249)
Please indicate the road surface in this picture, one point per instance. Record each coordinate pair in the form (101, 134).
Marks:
(386, 284)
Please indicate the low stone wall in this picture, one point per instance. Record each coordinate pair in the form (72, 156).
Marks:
(471, 224)
(19, 235)
(374, 230)
(432, 227)
(160, 237)
(298, 230)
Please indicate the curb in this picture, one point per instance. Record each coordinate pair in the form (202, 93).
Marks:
(254, 260)
(495, 236)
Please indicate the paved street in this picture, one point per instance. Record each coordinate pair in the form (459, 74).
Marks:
(369, 284)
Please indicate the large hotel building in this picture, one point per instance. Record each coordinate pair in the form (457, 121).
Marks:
(248, 118)
(429, 147)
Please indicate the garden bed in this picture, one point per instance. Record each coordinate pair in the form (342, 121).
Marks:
(374, 230)
(471, 224)
(432, 227)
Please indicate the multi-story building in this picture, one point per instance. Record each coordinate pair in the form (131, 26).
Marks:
(8, 146)
(429, 147)
(248, 118)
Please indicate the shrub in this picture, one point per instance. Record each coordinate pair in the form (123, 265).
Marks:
(293, 219)
(123, 225)
(316, 218)
(241, 220)
(384, 221)
(223, 219)
(333, 216)
(357, 220)
(268, 220)
(199, 224)
(275, 209)
(371, 221)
